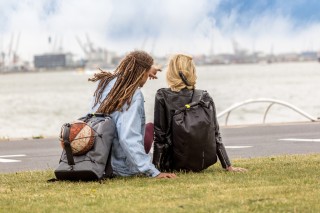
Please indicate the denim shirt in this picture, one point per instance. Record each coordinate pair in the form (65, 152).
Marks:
(128, 156)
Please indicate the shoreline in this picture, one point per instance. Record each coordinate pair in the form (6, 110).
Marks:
(79, 69)
(42, 71)
(8, 139)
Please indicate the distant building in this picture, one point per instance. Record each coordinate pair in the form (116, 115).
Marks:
(53, 61)
(308, 56)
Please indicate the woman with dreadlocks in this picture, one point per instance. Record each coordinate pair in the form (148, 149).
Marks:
(118, 94)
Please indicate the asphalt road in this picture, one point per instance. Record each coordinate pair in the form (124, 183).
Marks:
(240, 141)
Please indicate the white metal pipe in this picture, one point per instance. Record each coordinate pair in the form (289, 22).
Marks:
(265, 100)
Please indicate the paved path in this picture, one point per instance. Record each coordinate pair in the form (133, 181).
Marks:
(240, 141)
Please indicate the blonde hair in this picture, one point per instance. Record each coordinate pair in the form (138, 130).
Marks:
(183, 63)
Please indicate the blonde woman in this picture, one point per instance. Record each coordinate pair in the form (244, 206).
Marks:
(181, 78)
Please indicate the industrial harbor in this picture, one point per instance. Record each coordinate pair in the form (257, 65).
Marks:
(93, 57)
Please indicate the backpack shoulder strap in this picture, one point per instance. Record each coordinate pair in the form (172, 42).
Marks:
(67, 145)
(197, 95)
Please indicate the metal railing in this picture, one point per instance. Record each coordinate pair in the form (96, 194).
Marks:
(265, 100)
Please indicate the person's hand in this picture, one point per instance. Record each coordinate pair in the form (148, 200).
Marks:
(153, 72)
(166, 175)
(236, 169)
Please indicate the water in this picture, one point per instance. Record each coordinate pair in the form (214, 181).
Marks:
(34, 104)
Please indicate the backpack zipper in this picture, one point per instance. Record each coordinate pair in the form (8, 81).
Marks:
(159, 162)
(202, 159)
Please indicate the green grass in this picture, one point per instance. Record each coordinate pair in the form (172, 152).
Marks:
(273, 184)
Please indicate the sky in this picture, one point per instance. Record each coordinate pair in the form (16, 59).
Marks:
(161, 27)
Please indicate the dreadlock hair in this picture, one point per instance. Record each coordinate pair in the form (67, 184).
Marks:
(128, 73)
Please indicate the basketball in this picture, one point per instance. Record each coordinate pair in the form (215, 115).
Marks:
(81, 137)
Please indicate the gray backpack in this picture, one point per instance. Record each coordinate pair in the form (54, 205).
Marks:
(94, 164)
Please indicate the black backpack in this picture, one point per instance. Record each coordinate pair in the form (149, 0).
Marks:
(193, 136)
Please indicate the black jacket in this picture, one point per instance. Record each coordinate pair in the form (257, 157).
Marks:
(166, 102)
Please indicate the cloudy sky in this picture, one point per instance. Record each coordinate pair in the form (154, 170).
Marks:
(160, 26)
